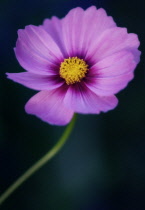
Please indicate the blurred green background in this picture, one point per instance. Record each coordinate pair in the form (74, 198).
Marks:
(102, 166)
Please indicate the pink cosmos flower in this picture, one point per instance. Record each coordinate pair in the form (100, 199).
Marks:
(77, 63)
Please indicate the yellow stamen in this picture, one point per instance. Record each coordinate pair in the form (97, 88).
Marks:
(73, 70)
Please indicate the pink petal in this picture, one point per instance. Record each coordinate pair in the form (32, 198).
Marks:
(49, 107)
(71, 29)
(82, 100)
(35, 81)
(111, 74)
(111, 41)
(80, 28)
(107, 66)
(53, 27)
(97, 23)
(36, 51)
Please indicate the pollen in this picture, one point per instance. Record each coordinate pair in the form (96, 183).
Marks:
(73, 70)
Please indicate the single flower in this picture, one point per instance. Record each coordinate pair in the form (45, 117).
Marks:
(77, 63)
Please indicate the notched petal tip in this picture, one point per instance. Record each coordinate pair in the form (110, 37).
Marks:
(93, 7)
(19, 31)
(11, 76)
(134, 39)
(8, 75)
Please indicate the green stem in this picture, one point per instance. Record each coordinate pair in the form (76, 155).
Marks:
(39, 163)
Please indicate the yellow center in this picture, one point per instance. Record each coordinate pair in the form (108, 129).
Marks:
(73, 70)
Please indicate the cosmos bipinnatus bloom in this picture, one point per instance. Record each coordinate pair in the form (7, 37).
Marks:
(77, 63)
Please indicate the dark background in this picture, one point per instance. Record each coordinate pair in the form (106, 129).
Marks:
(102, 166)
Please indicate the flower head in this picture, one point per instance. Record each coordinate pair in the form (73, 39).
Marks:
(78, 63)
